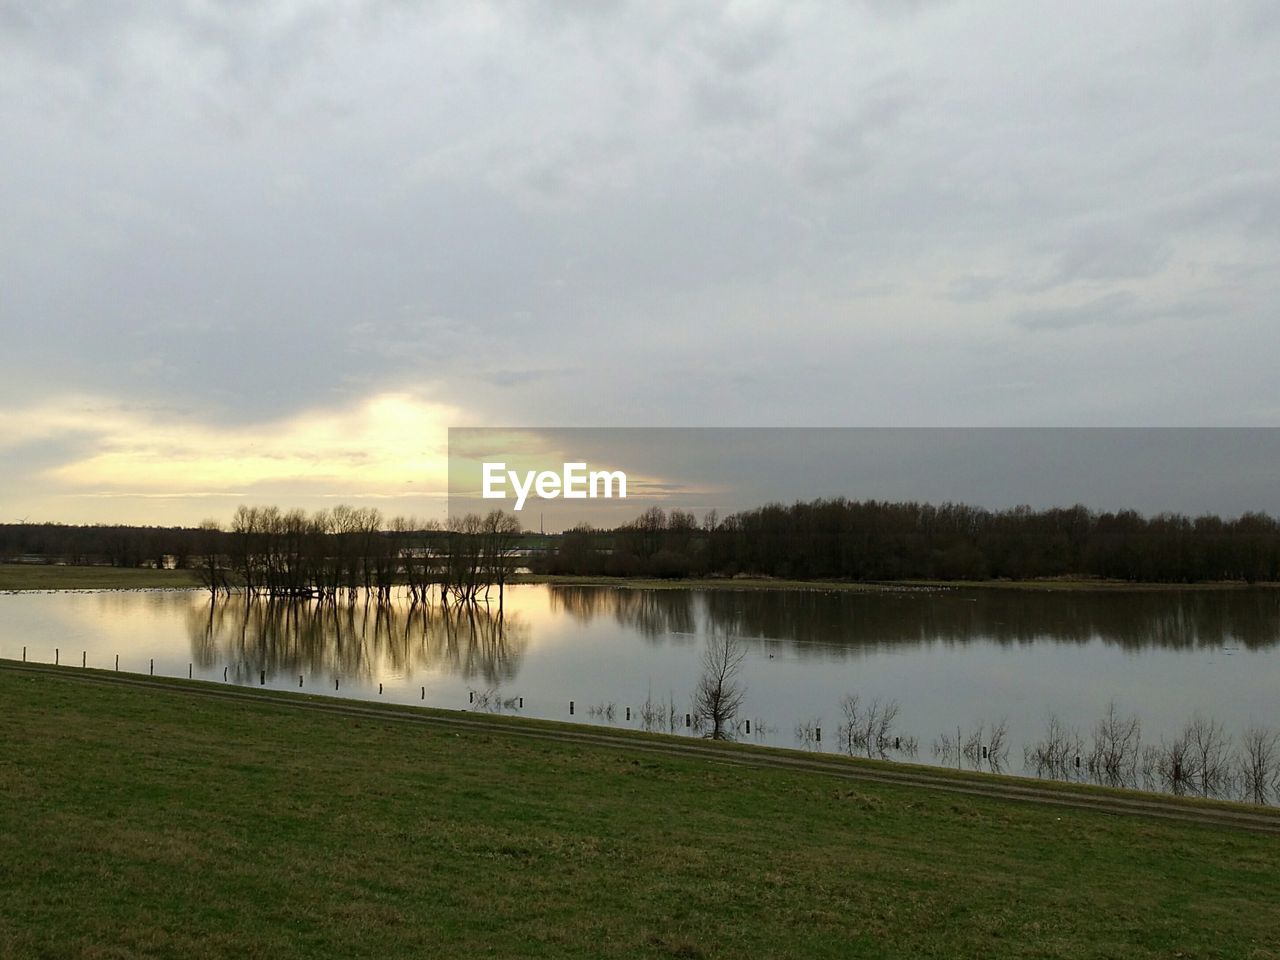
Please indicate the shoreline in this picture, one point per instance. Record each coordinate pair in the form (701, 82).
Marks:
(19, 578)
(1212, 811)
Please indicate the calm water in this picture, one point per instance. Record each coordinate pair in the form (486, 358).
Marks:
(952, 659)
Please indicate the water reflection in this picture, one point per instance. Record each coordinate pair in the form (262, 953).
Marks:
(818, 622)
(654, 614)
(356, 640)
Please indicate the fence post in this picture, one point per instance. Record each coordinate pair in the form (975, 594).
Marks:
(262, 679)
(153, 666)
(84, 659)
(55, 656)
(571, 708)
(190, 668)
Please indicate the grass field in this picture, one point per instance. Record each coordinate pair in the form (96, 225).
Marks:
(157, 823)
(16, 576)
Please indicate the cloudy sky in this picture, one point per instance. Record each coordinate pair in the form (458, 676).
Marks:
(269, 251)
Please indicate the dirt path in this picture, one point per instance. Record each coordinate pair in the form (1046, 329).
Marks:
(976, 785)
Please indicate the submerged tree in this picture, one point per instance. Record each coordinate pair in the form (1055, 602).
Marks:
(718, 695)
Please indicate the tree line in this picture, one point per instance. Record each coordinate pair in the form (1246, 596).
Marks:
(275, 551)
(877, 540)
(291, 553)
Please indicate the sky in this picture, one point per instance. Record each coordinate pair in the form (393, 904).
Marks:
(269, 252)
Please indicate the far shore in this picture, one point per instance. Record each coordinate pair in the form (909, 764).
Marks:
(24, 577)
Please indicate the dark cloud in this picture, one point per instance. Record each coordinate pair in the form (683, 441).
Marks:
(763, 214)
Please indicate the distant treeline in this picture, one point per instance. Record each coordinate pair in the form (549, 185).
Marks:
(274, 552)
(874, 540)
(290, 551)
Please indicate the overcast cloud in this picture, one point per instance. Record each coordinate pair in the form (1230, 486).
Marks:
(230, 222)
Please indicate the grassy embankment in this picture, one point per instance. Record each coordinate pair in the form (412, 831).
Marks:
(153, 822)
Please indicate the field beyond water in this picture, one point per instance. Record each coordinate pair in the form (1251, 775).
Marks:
(152, 821)
(23, 576)
(59, 577)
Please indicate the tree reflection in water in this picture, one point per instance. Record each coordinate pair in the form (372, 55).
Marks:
(821, 621)
(356, 641)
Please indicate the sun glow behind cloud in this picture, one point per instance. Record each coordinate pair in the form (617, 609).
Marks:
(389, 449)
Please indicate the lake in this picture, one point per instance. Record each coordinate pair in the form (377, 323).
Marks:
(957, 661)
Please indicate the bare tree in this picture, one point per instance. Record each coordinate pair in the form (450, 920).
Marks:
(1258, 760)
(1117, 747)
(1176, 762)
(868, 728)
(501, 533)
(1210, 746)
(998, 744)
(212, 568)
(718, 695)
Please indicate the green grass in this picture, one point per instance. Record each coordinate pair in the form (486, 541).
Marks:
(17, 576)
(156, 823)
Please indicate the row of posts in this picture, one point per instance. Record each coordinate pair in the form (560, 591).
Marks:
(226, 673)
(261, 680)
